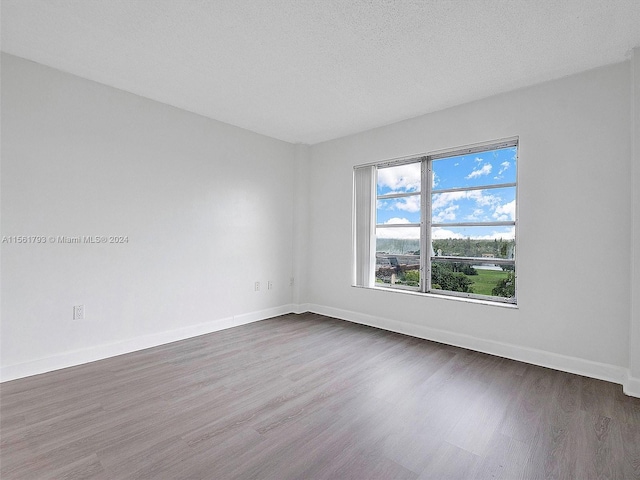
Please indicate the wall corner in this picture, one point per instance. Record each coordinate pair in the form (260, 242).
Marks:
(634, 320)
(300, 222)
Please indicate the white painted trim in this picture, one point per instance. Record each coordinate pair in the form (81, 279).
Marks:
(579, 366)
(302, 308)
(100, 352)
(631, 386)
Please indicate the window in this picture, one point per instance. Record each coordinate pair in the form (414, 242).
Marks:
(450, 214)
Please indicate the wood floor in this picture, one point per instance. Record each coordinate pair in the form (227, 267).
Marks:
(306, 396)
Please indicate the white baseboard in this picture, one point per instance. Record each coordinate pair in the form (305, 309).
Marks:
(579, 366)
(631, 386)
(99, 352)
(302, 308)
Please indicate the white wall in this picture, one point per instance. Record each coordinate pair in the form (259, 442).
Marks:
(207, 208)
(210, 208)
(574, 229)
(634, 333)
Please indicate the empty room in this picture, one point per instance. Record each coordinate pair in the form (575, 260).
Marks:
(296, 239)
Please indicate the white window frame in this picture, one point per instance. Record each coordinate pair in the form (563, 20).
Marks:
(365, 200)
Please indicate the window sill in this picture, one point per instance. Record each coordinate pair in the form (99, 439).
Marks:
(443, 297)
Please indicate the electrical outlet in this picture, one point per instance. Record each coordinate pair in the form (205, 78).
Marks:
(78, 312)
(257, 286)
(291, 280)
(269, 285)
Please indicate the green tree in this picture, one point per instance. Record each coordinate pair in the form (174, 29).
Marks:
(468, 269)
(412, 277)
(467, 247)
(463, 268)
(444, 278)
(506, 287)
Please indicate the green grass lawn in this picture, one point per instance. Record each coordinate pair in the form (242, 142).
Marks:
(486, 280)
(483, 283)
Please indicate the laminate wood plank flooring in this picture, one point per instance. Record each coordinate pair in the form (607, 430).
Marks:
(306, 397)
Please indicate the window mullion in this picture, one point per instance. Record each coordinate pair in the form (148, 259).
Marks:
(476, 187)
(425, 231)
(397, 225)
(398, 195)
(508, 223)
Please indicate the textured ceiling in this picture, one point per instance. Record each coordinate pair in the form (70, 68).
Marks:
(312, 70)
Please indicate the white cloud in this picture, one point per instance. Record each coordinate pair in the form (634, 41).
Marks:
(396, 220)
(408, 204)
(402, 178)
(478, 160)
(440, 233)
(505, 212)
(509, 234)
(445, 214)
(443, 200)
(401, 233)
(503, 167)
(478, 214)
(483, 200)
(408, 233)
(485, 170)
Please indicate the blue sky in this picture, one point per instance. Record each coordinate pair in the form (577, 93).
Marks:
(486, 168)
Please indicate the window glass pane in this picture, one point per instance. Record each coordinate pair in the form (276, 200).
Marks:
(476, 169)
(399, 179)
(482, 242)
(398, 210)
(398, 257)
(398, 240)
(489, 205)
(473, 278)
